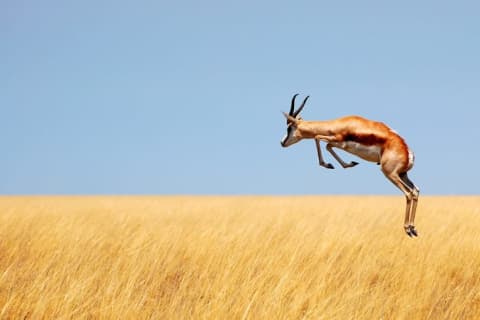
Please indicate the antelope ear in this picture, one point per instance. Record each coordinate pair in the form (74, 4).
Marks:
(289, 117)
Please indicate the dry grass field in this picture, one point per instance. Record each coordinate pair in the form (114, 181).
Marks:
(238, 258)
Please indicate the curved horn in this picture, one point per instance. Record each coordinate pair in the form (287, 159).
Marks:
(301, 107)
(293, 104)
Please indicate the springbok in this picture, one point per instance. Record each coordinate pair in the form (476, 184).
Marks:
(370, 140)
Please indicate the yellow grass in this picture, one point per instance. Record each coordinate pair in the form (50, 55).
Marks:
(238, 258)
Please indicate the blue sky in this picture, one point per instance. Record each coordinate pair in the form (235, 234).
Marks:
(185, 97)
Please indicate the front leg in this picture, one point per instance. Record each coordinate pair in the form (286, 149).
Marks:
(335, 155)
(320, 157)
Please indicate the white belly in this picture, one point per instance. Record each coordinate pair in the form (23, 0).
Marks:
(370, 153)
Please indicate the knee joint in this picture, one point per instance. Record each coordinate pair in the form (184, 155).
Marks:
(415, 193)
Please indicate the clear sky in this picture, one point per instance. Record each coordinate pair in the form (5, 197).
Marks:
(185, 97)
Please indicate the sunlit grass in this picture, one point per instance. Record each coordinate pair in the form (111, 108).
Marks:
(238, 258)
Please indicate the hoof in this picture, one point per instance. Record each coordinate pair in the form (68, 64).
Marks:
(327, 165)
(411, 232)
(353, 163)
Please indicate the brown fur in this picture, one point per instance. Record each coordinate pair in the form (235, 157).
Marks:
(357, 129)
(370, 140)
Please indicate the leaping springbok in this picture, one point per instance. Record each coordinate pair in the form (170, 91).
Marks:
(370, 140)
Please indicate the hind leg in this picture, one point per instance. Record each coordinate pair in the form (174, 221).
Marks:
(397, 181)
(415, 194)
(391, 171)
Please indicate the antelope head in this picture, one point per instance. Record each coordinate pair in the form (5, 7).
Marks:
(293, 119)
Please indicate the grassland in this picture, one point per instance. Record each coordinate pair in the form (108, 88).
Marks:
(238, 258)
